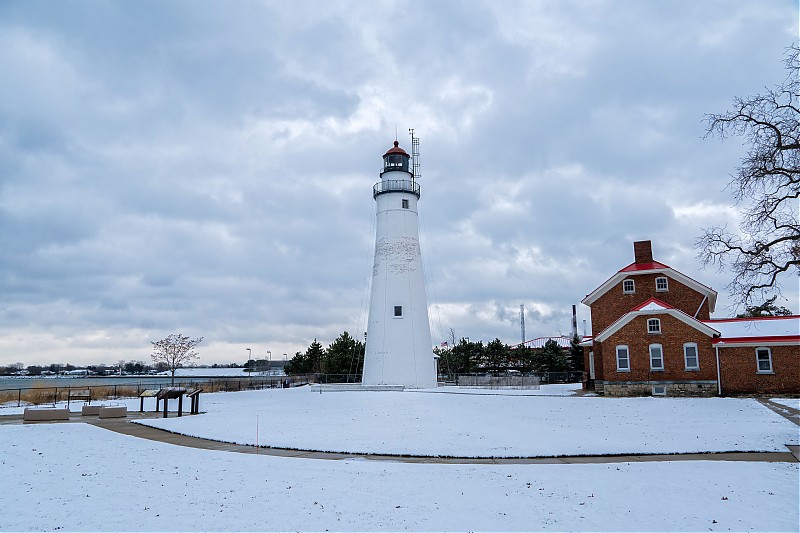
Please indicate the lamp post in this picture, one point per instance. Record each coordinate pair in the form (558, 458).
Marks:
(269, 362)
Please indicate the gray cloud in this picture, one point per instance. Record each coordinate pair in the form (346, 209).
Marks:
(207, 167)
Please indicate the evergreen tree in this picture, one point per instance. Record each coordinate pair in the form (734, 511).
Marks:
(522, 359)
(550, 358)
(309, 362)
(344, 356)
(463, 358)
(575, 354)
(496, 356)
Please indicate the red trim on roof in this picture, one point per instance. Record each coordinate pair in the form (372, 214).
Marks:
(752, 318)
(635, 267)
(754, 340)
(654, 301)
(396, 150)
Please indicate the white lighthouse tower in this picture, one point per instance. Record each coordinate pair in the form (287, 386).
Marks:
(399, 350)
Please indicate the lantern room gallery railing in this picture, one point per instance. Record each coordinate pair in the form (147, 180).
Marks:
(395, 186)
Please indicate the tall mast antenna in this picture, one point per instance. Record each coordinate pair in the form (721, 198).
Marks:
(522, 322)
(414, 154)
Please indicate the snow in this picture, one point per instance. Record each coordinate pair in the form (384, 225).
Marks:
(555, 389)
(757, 327)
(794, 403)
(78, 477)
(477, 425)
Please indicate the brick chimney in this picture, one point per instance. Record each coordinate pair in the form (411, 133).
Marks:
(642, 252)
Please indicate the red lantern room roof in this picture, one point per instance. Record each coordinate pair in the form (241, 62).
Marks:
(396, 150)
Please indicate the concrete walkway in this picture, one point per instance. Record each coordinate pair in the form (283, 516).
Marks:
(126, 427)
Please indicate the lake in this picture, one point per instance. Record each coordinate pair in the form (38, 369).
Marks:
(183, 376)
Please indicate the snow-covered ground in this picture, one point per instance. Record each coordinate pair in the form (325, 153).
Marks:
(794, 403)
(77, 477)
(477, 425)
(556, 389)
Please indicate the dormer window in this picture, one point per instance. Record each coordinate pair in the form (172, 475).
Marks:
(662, 285)
(628, 287)
(653, 326)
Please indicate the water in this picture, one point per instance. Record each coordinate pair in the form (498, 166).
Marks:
(149, 382)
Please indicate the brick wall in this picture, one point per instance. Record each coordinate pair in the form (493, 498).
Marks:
(738, 371)
(674, 334)
(614, 303)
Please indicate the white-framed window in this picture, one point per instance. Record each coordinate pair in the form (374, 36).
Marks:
(659, 390)
(662, 285)
(690, 358)
(656, 357)
(404, 203)
(398, 311)
(653, 326)
(628, 286)
(763, 360)
(623, 359)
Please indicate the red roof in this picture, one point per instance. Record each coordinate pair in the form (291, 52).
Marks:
(396, 150)
(635, 267)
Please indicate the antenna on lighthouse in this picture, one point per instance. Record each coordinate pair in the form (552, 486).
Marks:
(414, 154)
(522, 321)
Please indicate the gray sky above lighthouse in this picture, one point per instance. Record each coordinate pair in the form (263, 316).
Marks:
(207, 167)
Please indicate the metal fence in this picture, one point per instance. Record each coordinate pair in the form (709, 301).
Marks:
(497, 382)
(521, 380)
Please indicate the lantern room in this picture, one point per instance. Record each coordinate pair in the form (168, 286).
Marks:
(396, 159)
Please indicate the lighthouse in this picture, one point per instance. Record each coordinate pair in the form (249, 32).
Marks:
(398, 350)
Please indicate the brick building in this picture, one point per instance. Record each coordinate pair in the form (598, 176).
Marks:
(653, 334)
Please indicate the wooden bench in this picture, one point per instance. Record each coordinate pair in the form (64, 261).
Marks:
(85, 395)
(41, 414)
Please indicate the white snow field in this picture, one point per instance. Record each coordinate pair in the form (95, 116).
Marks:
(77, 477)
(479, 425)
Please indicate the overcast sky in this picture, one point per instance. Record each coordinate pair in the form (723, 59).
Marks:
(207, 167)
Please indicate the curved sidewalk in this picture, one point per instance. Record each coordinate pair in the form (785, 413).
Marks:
(126, 427)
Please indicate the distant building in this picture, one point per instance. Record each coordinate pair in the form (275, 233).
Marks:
(653, 334)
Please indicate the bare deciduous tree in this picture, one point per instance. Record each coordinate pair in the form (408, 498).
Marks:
(766, 186)
(174, 350)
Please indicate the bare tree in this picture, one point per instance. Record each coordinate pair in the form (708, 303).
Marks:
(766, 186)
(174, 350)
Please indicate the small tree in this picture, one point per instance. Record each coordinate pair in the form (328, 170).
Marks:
(174, 350)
